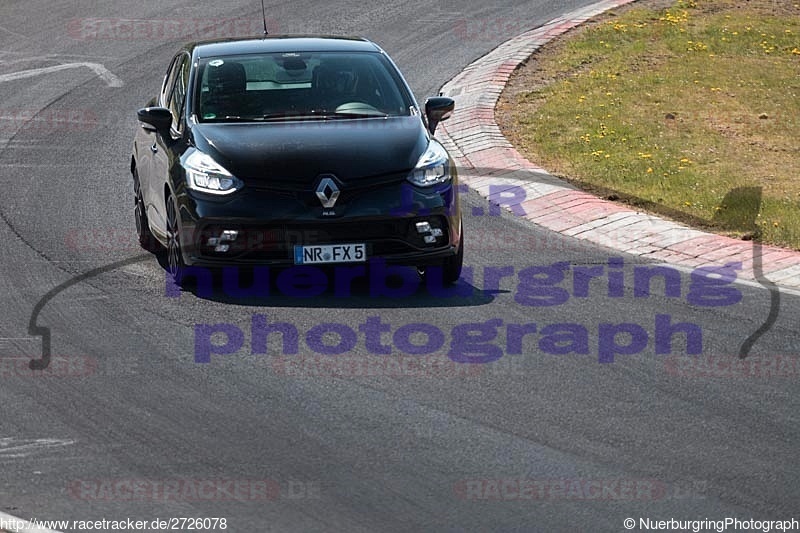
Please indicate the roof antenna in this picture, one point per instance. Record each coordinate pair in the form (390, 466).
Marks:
(264, 16)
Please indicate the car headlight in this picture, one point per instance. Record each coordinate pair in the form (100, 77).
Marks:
(432, 168)
(206, 175)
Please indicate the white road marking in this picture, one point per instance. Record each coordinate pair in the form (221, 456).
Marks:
(105, 74)
(3, 28)
(48, 57)
(42, 165)
(27, 527)
(14, 448)
(61, 120)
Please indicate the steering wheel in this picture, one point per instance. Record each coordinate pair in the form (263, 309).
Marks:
(359, 108)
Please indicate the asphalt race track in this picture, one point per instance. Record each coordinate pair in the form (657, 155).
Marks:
(127, 411)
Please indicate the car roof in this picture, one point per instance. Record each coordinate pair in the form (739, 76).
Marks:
(281, 43)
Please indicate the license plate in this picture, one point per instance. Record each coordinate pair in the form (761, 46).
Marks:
(330, 253)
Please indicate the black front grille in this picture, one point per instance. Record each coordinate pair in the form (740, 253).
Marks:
(306, 191)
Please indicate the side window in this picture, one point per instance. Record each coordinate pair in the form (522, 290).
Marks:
(169, 80)
(177, 97)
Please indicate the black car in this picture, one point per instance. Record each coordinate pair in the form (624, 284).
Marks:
(294, 151)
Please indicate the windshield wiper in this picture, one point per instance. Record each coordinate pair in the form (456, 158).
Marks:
(233, 118)
(355, 115)
(276, 117)
(286, 116)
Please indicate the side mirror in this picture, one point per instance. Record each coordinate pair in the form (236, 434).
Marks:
(155, 119)
(437, 109)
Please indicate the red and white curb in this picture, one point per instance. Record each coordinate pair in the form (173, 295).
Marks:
(474, 139)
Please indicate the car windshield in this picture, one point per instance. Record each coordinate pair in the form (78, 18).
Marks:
(303, 86)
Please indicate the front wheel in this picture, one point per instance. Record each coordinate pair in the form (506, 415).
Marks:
(146, 238)
(451, 267)
(175, 264)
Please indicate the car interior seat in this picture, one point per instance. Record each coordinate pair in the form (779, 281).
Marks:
(332, 85)
(227, 88)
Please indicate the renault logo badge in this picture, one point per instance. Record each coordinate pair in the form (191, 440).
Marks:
(327, 192)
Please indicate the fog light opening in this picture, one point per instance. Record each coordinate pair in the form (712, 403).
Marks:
(423, 227)
(221, 243)
(431, 231)
(229, 235)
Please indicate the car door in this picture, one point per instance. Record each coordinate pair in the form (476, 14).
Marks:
(162, 150)
(145, 149)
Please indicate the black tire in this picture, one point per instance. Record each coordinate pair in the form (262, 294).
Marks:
(175, 265)
(146, 239)
(451, 267)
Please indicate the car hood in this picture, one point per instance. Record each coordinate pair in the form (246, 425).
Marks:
(295, 153)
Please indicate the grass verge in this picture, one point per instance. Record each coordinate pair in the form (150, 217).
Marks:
(690, 109)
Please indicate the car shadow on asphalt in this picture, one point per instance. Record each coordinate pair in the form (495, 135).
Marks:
(342, 287)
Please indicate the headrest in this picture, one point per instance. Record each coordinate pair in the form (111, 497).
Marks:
(333, 79)
(227, 78)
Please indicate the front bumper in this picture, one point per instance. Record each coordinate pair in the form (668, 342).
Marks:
(269, 224)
